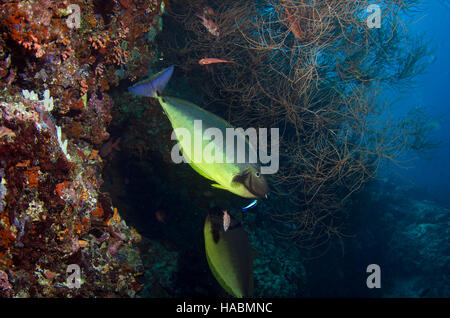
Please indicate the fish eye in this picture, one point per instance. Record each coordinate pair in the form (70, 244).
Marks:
(257, 174)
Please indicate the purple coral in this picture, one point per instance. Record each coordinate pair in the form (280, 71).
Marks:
(114, 247)
(5, 286)
(2, 191)
(101, 104)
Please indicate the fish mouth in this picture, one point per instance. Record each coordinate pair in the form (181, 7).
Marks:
(263, 195)
(260, 194)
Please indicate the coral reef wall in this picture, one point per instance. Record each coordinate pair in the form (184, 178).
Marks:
(58, 61)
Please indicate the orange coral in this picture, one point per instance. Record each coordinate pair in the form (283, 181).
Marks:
(22, 164)
(78, 228)
(82, 243)
(85, 222)
(60, 188)
(99, 43)
(75, 130)
(115, 217)
(118, 56)
(98, 212)
(126, 3)
(93, 154)
(32, 175)
(84, 86)
(6, 237)
(136, 237)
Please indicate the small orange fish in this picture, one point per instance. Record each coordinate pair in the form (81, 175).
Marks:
(294, 26)
(160, 216)
(209, 25)
(208, 11)
(109, 146)
(212, 60)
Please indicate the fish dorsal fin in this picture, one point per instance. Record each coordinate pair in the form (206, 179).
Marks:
(198, 108)
(169, 103)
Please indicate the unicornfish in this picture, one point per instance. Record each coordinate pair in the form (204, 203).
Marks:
(243, 179)
(229, 255)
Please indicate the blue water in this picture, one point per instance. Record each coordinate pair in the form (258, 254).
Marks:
(432, 90)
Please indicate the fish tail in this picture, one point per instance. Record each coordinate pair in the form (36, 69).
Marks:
(153, 85)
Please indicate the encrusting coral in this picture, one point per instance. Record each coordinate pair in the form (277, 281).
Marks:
(54, 114)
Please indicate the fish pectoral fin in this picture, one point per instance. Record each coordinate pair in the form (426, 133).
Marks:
(237, 179)
(240, 178)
